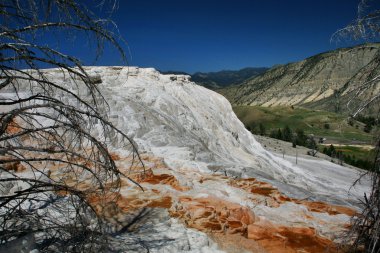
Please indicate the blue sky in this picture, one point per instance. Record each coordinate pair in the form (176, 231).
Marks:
(214, 35)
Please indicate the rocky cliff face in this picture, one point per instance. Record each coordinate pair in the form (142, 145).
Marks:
(325, 81)
(209, 186)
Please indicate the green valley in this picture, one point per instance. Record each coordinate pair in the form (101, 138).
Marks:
(334, 127)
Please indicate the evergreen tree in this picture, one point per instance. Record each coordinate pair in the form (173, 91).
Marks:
(262, 129)
(279, 135)
(287, 134)
(301, 137)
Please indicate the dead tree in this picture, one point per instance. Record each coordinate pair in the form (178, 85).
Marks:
(365, 226)
(56, 170)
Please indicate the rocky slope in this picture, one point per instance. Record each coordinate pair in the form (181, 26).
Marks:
(209, 186)
(324, 81)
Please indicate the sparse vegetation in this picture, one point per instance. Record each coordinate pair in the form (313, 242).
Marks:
(369, 121)
(310, 121)
(297, 137)
(355, 156)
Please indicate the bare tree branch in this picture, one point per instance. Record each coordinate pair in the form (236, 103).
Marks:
(364, 234)
(46, 129)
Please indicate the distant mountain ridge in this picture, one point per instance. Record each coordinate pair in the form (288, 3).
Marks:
(226, 78)
(325, 81)
(221, 79)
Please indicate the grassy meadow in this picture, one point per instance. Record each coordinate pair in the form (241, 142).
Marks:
(334, 127)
